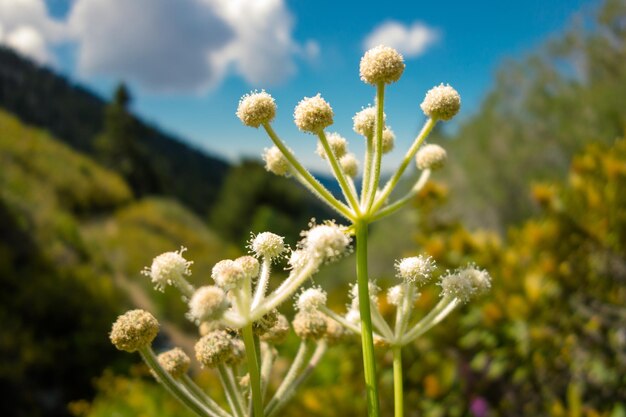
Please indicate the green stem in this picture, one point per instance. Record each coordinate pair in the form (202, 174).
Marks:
(306, 175)
(171, 384)
(339, 174)
(378, 146)
(253, 370)
(233, 396)
(367, 339)
(396, 205)
(297, 365)
(197, 392)
(397, 382)
(367, 170)
(393, 181)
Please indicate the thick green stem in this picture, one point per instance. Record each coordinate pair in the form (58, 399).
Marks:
(378, 144)
(339, 174)
(306, 175)
(367, 339)
(253, 370)
(397, 382)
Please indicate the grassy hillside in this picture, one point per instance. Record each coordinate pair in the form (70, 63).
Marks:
(73, 242)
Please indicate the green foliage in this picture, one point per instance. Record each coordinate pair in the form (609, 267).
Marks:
(541, 111)
(550, 338)
(254, 200)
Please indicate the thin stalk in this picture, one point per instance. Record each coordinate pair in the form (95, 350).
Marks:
(339, 174)
(297, 365)
(398, 389)
(266, 368)
(197, 392)
(264, 278)
(367, 170)
(393, 207)
(317, 356)
(231, 391)
(352, 186)
(378, 146)
(306, 175)
(314, 191)
(438, 313)
(379, 322)
(408, 157)
(367, 339)
(171, 384)
(253, 370)
(339, 319)
(403, 312)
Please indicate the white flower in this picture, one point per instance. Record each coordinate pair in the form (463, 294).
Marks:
(168, 268)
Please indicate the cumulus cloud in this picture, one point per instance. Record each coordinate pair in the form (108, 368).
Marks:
(162, 44)
(412, 41)
(26, 26)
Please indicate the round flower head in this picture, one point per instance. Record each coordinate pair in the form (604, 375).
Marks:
(249, 265)
(297, 259)
(466, 283)
(441, 102)
(311, 299)
(338, 144)
(237, 352)
(256, 108)
(278, 332)
(227, 274)
(268, 245)
(335, 332)
(276, 162)
(309, 325)
(431, 157)
(364, 122)
(207, 303)
(416, 269)
(214, 348)
(381, 64)
(265, 323)
(349, 164)
(175, 362)
(353, 316)
(388, 140)
(134, 330)
(168, 268)
(325, 242)
(313, 114)
(395, 294)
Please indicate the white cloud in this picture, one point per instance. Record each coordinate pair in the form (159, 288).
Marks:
(412, 41)
(27, 27)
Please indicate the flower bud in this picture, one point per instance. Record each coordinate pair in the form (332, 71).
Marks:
(207, 303)
(276, 162)
(350, 165)
(335, 332)
(214, 348)
(395, 294)
(168, 268)
(227, 274)
(466, 283)
(381, 64)
(416, 269)
(249, 265)
(337, 143)
(311, 299)
(313, 114)
(278, 332)
(364, 122)
(265, 323)
(431, 157)
(134, 330)
(325, 242)
(268, 245)
(441, 102)
(389, 139)
(175, 362)
(309, 325)
(256, 108)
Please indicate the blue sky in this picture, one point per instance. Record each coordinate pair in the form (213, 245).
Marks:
(188, 61)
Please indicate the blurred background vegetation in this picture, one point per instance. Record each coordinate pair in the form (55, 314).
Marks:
(535, 192)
